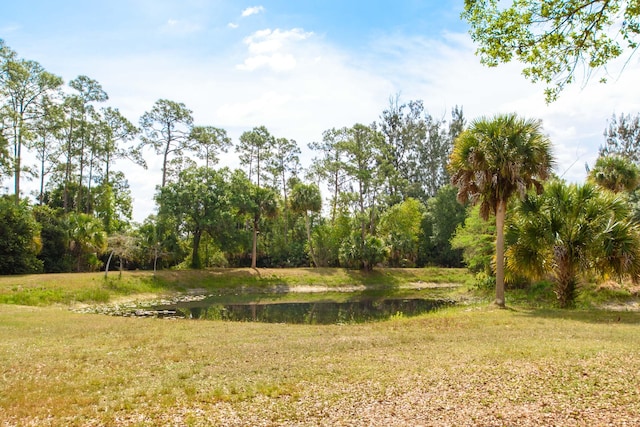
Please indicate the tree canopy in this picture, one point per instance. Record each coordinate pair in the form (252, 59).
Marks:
(20, 239)
(554, 39)
(570, 230)
(388, 203)
(615, 173)
(622, 137)
(495, 159)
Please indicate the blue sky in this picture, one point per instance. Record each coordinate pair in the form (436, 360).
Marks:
(213, 27)
(298, 68)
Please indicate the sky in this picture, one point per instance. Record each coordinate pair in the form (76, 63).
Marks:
(299, 68)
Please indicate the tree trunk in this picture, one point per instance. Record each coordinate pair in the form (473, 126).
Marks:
(41, 196)
(257, 168)
(286, 209)
(106, 269)
(155, 260)
(106, 168)
(79, 205)
(254, 250)
(334, 205)
(67, 171)
(566, 280)
(17, 164)
(195, 255)
(164, 166)
(308, 225)
(500, 217)
(88, 206)
(167, 149)
(565, 291)
(79, 259)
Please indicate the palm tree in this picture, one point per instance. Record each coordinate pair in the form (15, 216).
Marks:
(494, 159)
(615, 173)
(87, 238)
(254, 202)
(571, 229)
(306, 198)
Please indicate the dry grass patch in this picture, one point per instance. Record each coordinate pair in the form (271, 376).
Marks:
(455, 367)
(625, 287)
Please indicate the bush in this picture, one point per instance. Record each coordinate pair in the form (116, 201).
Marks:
(484, 281)
(364, 254)
(19, 238)
(326, 245)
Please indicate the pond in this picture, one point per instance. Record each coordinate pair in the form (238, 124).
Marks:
(356, 310)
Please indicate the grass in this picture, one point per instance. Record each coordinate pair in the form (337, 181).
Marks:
(267, 278)
(469, 365)
(47, 289)
(462, 366)
(70, 288)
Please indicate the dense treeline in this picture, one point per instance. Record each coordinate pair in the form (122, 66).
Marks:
(384, 198)
(387, 198)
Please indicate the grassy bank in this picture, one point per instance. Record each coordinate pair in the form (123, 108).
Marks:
(468, 365)
(46, 289)
(473, 366)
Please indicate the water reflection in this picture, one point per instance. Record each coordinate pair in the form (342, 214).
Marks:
(321, 312)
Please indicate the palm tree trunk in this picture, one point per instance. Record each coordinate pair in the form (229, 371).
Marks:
(500, 217)
(566, 280)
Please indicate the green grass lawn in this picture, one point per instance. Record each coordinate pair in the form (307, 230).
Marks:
(468, 365)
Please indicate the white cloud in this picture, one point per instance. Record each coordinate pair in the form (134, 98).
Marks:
(277, 62)
(252, 11)
(265, 41)
(232, 25)
(445, 73)
(272, 49)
